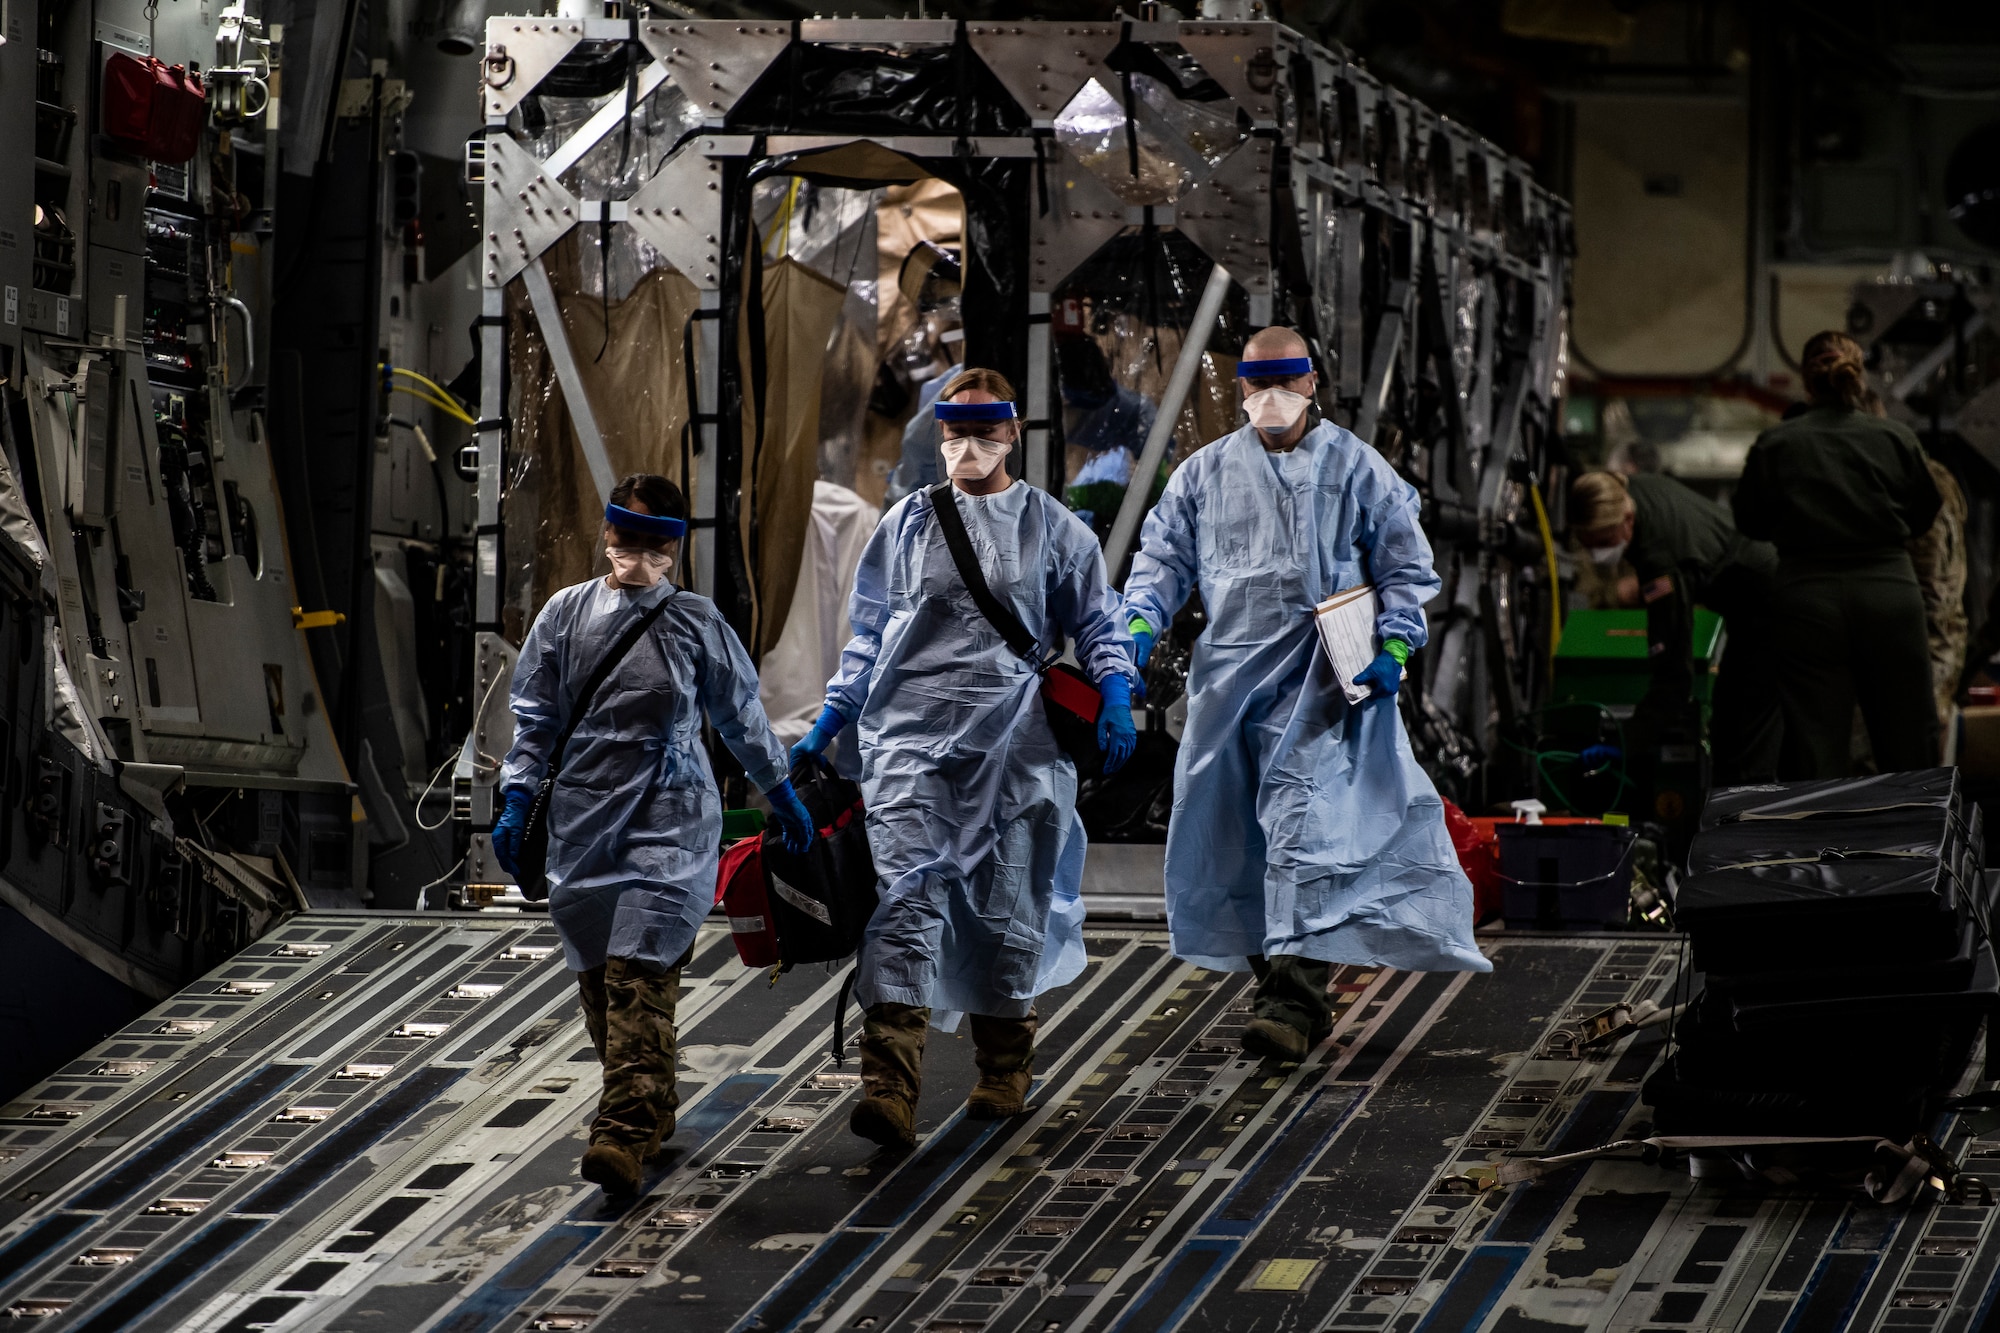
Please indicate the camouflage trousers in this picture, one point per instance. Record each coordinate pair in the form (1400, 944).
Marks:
(629, 1009)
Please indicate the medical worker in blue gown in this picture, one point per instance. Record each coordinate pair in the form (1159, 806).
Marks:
(971, 804)
(634, 816)
(1303, 832)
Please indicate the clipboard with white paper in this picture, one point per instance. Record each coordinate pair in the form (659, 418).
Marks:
(1346, 624)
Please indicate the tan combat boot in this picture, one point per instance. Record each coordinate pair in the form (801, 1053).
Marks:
(892, 1068)
(1275, 1039)
(1004, 1050)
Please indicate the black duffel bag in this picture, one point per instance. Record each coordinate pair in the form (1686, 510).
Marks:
(820, 902)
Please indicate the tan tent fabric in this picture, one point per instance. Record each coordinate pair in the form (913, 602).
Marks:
(801, 307)
(638, 396)
(861, 160)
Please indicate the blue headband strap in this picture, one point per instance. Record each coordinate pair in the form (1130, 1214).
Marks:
(975, 411)
(653, 525)
(1284, 368)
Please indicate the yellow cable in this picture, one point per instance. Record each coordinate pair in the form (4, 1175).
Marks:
(445, 398)
(785, 222)
(1555, 577)
(444, 405)
(428, 383)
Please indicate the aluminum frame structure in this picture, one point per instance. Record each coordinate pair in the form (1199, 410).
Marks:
(1428, 270)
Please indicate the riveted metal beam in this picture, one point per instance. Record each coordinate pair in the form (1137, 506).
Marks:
(527, 210)
(520, 52)
(1229, 215)
(715, 61)
(1083, 214)
(1043, 64)
(679, 213)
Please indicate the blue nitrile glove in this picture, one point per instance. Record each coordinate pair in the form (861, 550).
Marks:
(1595, 757)
(508, 829)
(814, 743)
(1384, 675)
(788, 812)
(1142, 640)
(1116, 735)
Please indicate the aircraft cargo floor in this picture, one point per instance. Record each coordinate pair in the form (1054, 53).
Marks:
(368, 1122)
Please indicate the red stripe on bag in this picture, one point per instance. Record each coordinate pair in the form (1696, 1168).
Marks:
(1073, 695)
(842, 820)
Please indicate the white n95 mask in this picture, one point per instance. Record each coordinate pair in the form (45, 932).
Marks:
(1607, 556)
(1275, 411)
(973, 459)
(637, 567)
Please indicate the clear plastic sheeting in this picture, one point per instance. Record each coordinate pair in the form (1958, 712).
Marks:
(928, 211)
(931, 346)
(825, 226)
(1178, 143)
(619, 163)
(919, 331)
(847, 382)
(614, 169)
(1118, 328)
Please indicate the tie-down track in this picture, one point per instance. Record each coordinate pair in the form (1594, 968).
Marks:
(369, 1123)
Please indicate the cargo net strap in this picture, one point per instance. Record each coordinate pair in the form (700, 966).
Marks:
(840, 1017)
(1756, 817)
(1897, 1172)
(1828, 855)
(1623, 872)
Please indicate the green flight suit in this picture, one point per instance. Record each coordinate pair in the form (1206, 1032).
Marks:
(1839, 493)
(1686, 551)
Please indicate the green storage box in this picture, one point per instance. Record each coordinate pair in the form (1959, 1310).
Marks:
(1602, 658)
(740, 824)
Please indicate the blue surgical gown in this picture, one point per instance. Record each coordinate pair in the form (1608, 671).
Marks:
(635, 817)
(971, 804)
(1301, 825)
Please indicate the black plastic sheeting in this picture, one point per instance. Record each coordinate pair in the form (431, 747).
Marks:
(1975, 996)
(1873, 884)
(819, 89)
(1891, 976)
(1157, 275)
(1833, 798)
(1832, 844)
(1869, 873)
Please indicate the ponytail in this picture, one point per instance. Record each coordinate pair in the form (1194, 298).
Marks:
(1835, 372)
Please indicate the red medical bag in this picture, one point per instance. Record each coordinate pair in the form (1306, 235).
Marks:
(153, 108)
(744, 892)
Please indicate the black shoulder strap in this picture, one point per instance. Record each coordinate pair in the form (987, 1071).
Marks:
(595, 681)
(959, 543)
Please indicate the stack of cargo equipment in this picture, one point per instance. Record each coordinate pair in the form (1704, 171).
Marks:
(1840, 929)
